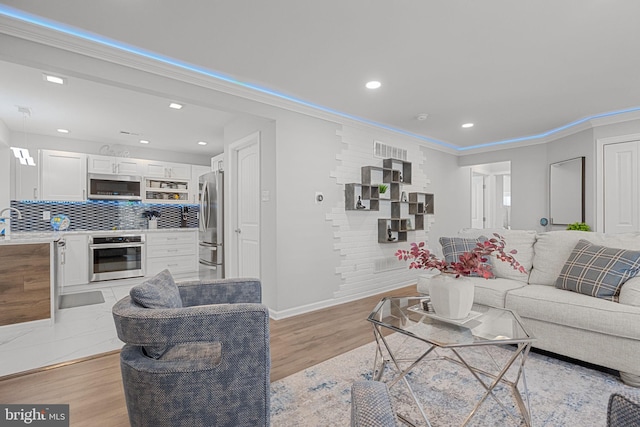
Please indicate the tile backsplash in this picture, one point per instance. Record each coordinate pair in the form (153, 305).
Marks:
(99, 215)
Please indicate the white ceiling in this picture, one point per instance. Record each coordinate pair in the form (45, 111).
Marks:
(514, 68)
(104, 114)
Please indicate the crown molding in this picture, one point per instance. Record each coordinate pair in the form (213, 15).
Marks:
(582, 126)
(614, 119)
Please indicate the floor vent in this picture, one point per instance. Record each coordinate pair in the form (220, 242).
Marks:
(387, 264)
(384, 151)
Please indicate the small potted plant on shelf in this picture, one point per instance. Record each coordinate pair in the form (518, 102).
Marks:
(453, 298)
(382, 190)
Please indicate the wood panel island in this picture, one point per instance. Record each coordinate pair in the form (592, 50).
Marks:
(26, 280)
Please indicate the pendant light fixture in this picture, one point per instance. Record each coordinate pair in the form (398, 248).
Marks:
(22, 154)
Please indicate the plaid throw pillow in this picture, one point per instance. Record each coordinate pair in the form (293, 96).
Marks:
(598, 271)
(453, 247)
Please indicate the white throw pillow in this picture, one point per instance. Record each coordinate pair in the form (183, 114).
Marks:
(551, 251)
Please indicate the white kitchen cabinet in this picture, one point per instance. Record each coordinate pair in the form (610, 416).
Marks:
(63, 176)
(159, 169)
(175, 250)
(195, 189)
(25, 182)
(75, 265)
(114, 165)
(217, 162)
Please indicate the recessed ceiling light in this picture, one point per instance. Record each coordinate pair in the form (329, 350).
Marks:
(63, 130)
(175, 106)
(202, 143)
(53, 79)
(374, 84)
(467, 125)
(144, 141)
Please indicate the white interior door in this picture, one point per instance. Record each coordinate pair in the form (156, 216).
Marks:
(477, 201)
(620, 175)
(247, 207)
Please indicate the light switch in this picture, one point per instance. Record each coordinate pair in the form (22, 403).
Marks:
(46, 215)
(266, 195)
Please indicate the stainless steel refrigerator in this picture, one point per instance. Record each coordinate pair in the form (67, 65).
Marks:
(211, 221)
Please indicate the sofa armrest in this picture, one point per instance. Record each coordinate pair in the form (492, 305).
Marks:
(630, 292)
(221, 291)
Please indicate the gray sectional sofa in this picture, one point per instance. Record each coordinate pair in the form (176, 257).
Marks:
(583, 327)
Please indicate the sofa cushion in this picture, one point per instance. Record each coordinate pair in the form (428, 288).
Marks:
(492, 293)
(159, 291)
(557, 306)
(597, 270)
(551, 251)
(521, 240)
(630, 292)
(453, 247)
(622, 240)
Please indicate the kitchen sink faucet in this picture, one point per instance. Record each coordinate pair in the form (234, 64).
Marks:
(7, 220)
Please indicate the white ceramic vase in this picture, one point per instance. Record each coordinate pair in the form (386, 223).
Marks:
(451, 298)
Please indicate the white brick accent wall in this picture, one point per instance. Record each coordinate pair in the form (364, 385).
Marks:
(366, 266)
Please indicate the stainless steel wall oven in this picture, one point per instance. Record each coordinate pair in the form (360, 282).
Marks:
(116, 256)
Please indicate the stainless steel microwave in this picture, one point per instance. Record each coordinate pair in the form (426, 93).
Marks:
(114, 187)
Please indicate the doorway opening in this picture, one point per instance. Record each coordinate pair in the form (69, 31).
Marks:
(491, 195)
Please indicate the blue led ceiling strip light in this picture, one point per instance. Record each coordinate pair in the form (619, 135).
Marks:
(550, 132)
(85, 35)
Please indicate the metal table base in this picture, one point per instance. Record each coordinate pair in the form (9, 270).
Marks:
(521, 352)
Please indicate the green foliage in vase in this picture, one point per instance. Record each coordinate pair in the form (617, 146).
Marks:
(382, 188)
(580, 226)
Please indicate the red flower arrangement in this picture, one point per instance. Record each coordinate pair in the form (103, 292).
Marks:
(474, 261)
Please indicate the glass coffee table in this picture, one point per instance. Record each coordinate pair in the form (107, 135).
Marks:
(437, 338)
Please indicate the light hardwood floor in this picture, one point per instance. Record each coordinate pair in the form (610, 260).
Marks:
(93, 387)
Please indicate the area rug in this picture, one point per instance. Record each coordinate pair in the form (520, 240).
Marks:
(81, 298)
(561, 393)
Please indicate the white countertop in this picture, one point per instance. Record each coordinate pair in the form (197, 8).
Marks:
(27, 237)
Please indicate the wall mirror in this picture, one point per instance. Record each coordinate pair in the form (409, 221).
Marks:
(566, 191)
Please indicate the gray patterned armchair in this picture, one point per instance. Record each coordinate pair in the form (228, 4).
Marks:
(623, 410)
(195, 354)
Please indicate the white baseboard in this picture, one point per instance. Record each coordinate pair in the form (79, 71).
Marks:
(283, 314)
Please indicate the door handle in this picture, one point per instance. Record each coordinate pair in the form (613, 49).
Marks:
(237, 230)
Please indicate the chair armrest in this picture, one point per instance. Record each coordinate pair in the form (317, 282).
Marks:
(630, 292)
(221, 291)
(623, 411)
(225, 323)
(371, 405)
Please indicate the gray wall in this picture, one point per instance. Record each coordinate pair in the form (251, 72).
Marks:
(529, 172)
(298, 153)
